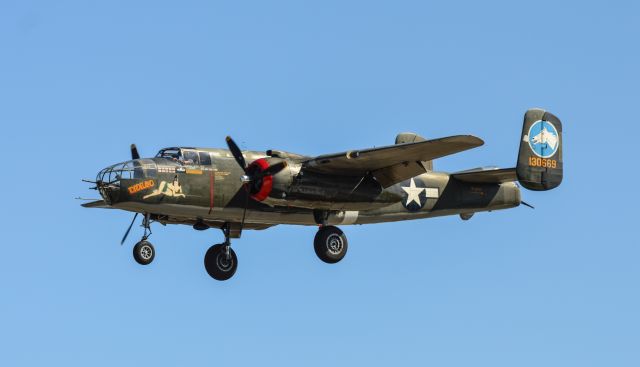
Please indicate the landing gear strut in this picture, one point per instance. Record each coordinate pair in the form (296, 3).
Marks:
(143, 251)
(330, 244)
(221, 261)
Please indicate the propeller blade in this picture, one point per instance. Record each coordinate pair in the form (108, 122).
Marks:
(271, 170)
(237, 153)
(134, 152)
(128, 230)
(527, 204)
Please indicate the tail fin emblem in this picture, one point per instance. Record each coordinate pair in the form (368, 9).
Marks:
(542, 139)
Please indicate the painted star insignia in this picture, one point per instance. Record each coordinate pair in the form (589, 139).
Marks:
(413, 193)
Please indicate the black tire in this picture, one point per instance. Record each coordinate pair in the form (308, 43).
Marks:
(217, 264)
(144, 253)
(330, 244)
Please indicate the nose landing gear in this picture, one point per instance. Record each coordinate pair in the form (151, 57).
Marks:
(143, 251)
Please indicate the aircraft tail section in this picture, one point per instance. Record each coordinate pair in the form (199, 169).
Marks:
(540, 163)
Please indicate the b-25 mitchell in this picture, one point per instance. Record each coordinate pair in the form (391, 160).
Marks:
(236, 190)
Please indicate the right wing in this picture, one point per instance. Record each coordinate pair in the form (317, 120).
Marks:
(390, 164)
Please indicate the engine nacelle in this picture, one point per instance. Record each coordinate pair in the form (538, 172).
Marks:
(294, 187)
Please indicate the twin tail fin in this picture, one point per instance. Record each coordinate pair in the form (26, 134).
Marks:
(540, 165)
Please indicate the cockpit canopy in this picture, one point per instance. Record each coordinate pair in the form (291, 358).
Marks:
(189, 156)
(169, 153)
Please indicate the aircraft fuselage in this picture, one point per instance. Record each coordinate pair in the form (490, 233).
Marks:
(178, 192)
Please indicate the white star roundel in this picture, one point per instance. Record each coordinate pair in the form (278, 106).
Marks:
(416, 196)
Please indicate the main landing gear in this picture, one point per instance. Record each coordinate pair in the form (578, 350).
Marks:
(143, 251)
(330, 244)
(221, 261)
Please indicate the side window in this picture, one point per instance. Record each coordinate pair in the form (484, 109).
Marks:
(190, 157)
(138, 173)
(205, 158)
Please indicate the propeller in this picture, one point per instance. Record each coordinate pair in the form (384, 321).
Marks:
(134, 152)
(270, 171)
(250, 177)
(126, 234)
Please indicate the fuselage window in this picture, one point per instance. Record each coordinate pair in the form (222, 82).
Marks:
(205, 158)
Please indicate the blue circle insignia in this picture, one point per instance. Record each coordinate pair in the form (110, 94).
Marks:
(415, 195)
(543, 139)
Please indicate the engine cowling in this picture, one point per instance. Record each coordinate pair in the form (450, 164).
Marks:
(268, 185)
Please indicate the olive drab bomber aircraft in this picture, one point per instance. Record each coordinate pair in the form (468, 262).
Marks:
(236, 190)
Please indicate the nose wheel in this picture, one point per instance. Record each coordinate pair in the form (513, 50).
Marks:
(143, 252)
(330, 244)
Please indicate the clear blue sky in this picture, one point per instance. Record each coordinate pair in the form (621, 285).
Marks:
(555, 286)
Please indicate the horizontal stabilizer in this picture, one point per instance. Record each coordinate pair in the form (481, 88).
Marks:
(496, 176)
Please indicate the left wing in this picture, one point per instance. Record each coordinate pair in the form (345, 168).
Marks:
(482, 175)
(390, 164)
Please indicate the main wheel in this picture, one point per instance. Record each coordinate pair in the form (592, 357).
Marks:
(330, 244)
(143, 253)
(218, 264)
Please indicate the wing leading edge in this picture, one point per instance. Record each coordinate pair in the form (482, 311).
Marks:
(391, 164)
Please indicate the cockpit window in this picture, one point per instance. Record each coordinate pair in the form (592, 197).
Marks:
(190, 157)
(170, 153)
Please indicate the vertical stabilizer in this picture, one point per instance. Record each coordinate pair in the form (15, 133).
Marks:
(540, 163)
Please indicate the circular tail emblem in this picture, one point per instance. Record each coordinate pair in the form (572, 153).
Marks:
(543, 139)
